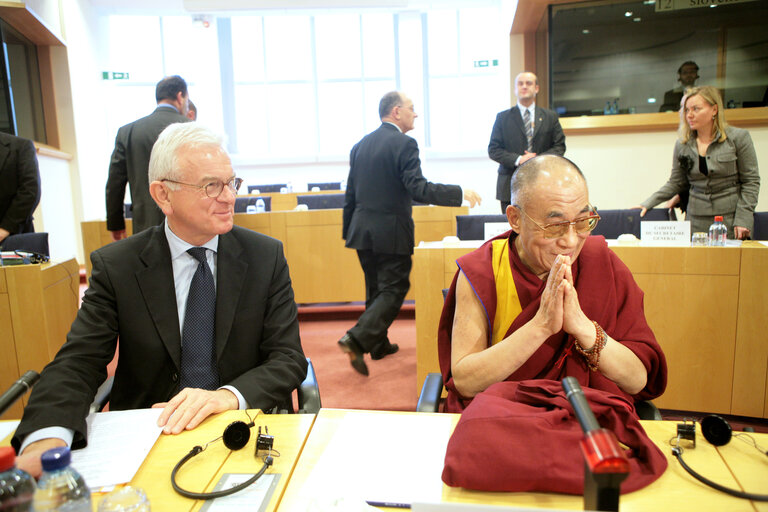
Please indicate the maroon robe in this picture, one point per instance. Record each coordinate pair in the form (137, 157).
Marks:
(608, 295)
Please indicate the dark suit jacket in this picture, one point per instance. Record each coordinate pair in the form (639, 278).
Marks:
(508, 141)
(384, 179)
(131, 296)
(130, 164)
(19, 184)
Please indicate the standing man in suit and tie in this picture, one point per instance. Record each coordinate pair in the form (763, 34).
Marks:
(19, 185)
(521, 133)
(384, 179)
(204, 311)
(130, 158)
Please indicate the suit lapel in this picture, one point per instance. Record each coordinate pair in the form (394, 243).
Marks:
(230, 277)
(517, 120)
(157, 288)
(5, 150)
(539, 120)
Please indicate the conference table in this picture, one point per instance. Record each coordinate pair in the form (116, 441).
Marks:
(402, 444)
(322, 269)
(706, 306)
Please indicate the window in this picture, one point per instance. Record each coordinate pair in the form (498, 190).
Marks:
(21, 104)
(306, 86)
(648, 46)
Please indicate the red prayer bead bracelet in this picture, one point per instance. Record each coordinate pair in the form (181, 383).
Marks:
(592, 356)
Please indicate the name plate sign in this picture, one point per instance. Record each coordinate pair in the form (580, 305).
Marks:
(665, 232)
(492, 229)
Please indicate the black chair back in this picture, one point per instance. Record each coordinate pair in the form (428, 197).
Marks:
(28, 242)
(472, 227)
(618, 222)
(242, 203)
(322, 201)
(333, 185)
(760, 231)
(263, 189)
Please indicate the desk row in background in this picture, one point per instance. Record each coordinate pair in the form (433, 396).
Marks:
(322, 269)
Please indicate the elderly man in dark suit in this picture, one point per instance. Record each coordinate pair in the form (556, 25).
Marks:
(19, 185)
(522, 132)
(204, 311)
(384, 179)
(130, 158)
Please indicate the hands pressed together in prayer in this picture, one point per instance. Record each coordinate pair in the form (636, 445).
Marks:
(560, 308)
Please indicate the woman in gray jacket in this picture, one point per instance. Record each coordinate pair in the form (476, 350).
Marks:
(716, 163)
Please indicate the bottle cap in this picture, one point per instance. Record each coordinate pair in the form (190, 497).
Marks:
(718, 218)
(7, 458)
(56, 458)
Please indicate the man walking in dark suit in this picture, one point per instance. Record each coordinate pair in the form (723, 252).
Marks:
(204, 311)
(19, 185)
(384, 179)
(521, 133)
(130, 158)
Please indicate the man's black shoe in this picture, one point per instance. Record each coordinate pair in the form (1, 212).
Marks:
(388, 350)
(350, 347)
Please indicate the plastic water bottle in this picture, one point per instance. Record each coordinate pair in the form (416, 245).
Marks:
(717, 232)
(260, 207)
(61, 488)
(607, 109)
(17, 487)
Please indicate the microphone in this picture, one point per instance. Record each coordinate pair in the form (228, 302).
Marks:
(584, 414)
(17, 389)
(605, 463)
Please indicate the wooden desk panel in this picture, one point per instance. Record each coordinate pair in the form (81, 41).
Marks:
(705, 305)
(37, 306)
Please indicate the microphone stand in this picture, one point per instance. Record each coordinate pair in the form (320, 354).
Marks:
(605, 464)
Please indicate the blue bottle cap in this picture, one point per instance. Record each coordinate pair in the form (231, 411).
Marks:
(56, 458)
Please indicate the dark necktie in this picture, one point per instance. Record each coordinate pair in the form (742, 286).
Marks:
(528, 129)
(198, 345)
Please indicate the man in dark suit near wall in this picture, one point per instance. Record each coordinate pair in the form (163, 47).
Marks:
(130, 158)
(19, 185)
(244, 347)
(384, 179)
(514, 141)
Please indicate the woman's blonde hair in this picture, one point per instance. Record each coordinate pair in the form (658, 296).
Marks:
(712, 96)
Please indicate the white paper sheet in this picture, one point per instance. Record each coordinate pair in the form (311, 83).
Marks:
(118, 442)
(7, 427)
(254, 497)
(383, 458)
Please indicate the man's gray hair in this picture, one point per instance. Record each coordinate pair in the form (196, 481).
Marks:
(526, 175)
(163, 162)
(388, 102)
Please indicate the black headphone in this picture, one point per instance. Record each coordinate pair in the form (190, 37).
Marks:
(718, 432)
(235, 437)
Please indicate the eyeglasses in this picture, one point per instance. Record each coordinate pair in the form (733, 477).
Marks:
(558, 229)
(214, 188)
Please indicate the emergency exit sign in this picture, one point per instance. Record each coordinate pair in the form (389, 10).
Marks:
(486, 63)
(114, 75)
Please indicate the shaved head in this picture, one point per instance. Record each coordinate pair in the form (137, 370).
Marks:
(558, 170)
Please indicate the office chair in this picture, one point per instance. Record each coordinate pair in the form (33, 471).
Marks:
(432, 390)
(472, 227)
(263, 189)
(242, 203)
(333, 185)
(760, 230)
(308, 396)
(29, 242)
(618, 222)
(322, 201)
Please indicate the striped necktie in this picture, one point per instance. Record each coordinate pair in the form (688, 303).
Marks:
(198, 339)
(528, 129)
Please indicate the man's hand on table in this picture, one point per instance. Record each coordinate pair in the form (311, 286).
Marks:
(191, 406)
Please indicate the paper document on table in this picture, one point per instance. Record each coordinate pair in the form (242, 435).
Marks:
(382, 458)
(7, 427)
(254, 497)
(118, 442)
